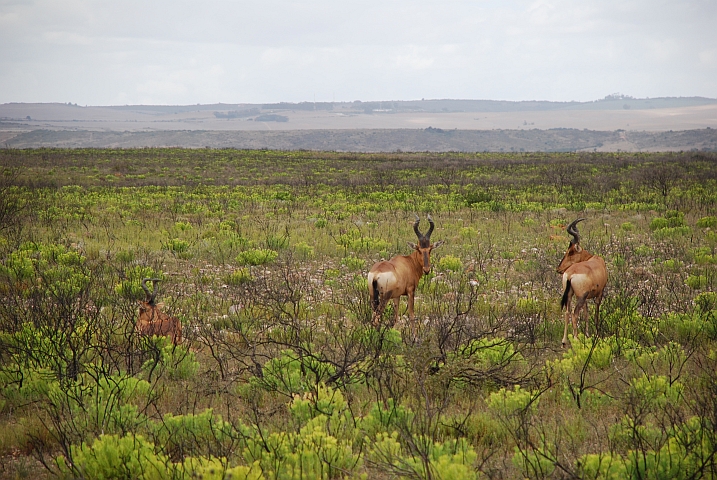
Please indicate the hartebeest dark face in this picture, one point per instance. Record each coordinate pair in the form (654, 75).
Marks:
(147, 308)
(424, 246)
(575, 252)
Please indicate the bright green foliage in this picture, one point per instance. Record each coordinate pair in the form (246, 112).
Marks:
(707, 222)
(197, 435)
(704, 256)
(292, 373)
(689, 327)
(451, 460)
(385, 418)
(597, 352)
(238, 277)
(670, 226)
(488, 353)
(304, 250)
(318, 451)
(178, 361)
(450, 263)
(602, 466)
(655, 392)
(24, 386)
(112, 457)
(215, 469)
(257, 256)
(110, 405)
(534, 463)
(353, 264)
(672, 232)
(48, 269)
(325, 401)
(672, 218)
(681, 456)
(507, 403)
(353, 241)
(176, 245)
(697, 282)
(706, 302)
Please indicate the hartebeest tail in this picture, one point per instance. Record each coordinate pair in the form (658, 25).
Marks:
(375, 299)
(391, 279)
(585, 276)
(152, 321)
(566, 298)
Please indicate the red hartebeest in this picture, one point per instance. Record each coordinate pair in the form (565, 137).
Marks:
(391, 279)
(585, 276)
(152, 321)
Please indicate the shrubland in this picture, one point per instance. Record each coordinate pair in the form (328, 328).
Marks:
(262, 255)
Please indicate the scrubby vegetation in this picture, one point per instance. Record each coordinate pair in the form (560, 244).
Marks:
(262, 255)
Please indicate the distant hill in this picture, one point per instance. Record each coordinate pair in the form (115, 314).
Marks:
(616, 122)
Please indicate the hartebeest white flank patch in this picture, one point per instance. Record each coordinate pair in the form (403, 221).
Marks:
(391, 279)
(152, 321)
(585, 276)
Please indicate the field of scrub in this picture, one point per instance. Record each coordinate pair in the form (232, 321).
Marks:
(263, 256)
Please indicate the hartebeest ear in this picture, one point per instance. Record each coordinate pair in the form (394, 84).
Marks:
(578, 248)
(412, 245)
(438, 243)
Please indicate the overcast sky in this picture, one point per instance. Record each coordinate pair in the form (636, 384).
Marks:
(185, 52)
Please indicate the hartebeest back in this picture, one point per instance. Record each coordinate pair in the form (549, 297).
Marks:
(152, 321)
(391, 279)
(585, 276)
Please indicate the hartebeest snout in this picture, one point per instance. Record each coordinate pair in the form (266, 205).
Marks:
(391, 279)
(585, 276)
(152, 321)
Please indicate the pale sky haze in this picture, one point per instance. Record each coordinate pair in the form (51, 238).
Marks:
(210, 51)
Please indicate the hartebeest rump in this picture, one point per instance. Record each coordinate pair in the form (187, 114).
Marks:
(152, 321)
(585, 276)
(391, 279)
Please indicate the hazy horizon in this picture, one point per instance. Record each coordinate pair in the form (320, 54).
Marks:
(185, 53)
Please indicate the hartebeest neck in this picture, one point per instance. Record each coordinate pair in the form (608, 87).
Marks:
(417, 261)
(572, 257)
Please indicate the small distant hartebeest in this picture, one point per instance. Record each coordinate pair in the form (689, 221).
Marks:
(152, 321)
(391, 279)
(585, 276)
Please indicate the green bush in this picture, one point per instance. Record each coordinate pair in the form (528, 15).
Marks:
(707, 222)
(304, 250)
(450, 263)
(353, 264)
(240, 276)
(111, 456)
(257, 256)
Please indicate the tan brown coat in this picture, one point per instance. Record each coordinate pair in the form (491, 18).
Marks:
(151, 319)
(399, 276)
(585, 277)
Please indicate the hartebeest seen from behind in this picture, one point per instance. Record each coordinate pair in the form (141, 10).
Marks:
(391, 279)
(585, 276)
(152, 321)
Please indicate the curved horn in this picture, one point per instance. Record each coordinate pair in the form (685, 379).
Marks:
(148, 297)
(430, 230)
(154, 289)
(415, 228)
(573, 230)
